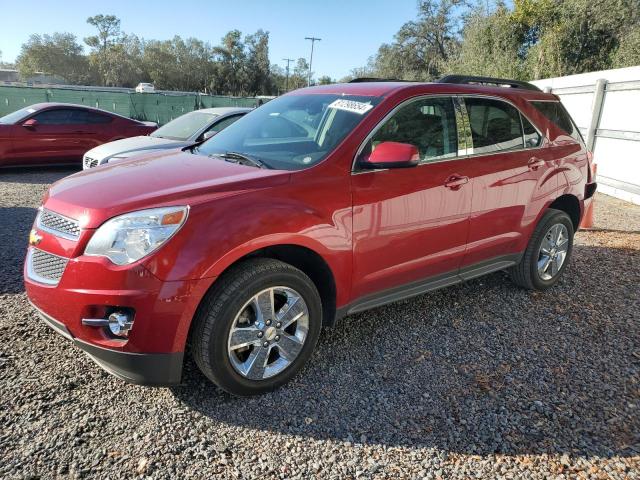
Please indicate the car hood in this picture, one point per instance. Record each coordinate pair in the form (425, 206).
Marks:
(132, 145)
(152, 180)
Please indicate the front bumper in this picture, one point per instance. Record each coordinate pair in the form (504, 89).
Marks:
(154, 369)
(91, 287)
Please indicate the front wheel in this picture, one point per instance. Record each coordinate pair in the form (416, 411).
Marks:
(257, 327)
(547, 254)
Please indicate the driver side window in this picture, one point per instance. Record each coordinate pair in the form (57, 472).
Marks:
(428, 124)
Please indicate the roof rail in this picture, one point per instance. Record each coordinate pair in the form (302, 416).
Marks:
(373, 79)
(500, 82)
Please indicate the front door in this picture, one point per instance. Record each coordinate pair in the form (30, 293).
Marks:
(51, 139)
(411, 224)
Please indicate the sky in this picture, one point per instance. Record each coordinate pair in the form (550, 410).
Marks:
(351, 30)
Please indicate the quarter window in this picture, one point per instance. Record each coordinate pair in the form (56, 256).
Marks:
(556, 112)
(495, 125)
(429, 125)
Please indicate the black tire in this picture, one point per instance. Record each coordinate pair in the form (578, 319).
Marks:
(525, 274)
(216, 314)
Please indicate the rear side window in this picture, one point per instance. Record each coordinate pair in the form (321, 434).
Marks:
(94, 118)
(495, 125)
(85, 117)
(429, 125)
(556, 112)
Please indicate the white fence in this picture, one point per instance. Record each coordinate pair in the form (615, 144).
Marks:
(606, 107)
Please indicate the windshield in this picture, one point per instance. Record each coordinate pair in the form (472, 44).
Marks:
(184, 127)
(292, 132)
(16, 116)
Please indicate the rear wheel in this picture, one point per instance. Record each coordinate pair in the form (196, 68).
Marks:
(257, 327)
(547, 254)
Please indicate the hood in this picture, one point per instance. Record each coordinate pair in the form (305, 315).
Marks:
(152, 180)
(132, 145)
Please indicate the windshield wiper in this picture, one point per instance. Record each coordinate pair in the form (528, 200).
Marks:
(243, 156)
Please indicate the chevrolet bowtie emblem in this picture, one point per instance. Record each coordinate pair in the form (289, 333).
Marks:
(34, 238)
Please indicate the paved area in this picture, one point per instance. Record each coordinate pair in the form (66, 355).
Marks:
(478, 380)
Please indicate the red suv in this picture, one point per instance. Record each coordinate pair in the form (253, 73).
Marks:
(324, 202)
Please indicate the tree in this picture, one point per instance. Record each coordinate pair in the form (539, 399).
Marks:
(300, 75)
(230, 72)
(112, 51)
(258, 67)
(325, 80)
(120, 65)
(421, 47)
(108, 31)
(492, 45)
(57, 54)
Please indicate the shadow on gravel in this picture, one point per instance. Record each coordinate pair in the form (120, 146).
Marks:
(36, 175)
(479, 368)
(15, 224)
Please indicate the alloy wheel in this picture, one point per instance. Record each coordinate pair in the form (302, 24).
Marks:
(553, 251)
(268, 333)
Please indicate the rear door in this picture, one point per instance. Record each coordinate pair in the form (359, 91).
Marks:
(512, 179)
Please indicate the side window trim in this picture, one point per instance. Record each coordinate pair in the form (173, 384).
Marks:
(470, 152)
(383, 121)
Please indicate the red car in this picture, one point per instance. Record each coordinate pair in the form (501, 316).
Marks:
(324, 202)
(60, 133)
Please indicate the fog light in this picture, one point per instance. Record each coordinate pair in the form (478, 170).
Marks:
(120, 324)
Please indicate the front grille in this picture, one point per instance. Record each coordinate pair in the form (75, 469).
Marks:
(90, 162)
(45, 267)
(58, 225)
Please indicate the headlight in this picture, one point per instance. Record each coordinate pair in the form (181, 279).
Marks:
(135, 235)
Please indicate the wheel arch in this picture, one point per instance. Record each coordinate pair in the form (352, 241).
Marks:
(303, 257)
(571, 206)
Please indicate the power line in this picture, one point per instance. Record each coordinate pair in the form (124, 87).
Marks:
(313, 41)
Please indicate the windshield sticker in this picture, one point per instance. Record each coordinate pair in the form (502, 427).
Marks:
(351, 106)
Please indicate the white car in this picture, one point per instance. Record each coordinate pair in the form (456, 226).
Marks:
(145, 88)
(184, 131)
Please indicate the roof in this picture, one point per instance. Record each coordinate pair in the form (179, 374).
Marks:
(225, 110)
(40, 106)
(384, 89)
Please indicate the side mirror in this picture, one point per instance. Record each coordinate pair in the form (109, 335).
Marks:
(208, 135)
(31, 123)
(392, 155)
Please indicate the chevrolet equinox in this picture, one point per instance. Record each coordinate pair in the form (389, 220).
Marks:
(323, 202)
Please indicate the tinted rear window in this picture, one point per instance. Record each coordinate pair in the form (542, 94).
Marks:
(556, 112)
(495, 125)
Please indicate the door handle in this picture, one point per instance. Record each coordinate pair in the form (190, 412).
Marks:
(454, 182)
(535, 163)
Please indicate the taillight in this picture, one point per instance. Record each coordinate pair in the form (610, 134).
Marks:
(592, 168)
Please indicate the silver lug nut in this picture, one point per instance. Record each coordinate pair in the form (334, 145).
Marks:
(260, 334)
(278, 325)
(265, 344)
(268, 322)
(277, 338)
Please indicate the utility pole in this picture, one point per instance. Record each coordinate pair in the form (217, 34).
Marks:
(313, 40)
(286, 84)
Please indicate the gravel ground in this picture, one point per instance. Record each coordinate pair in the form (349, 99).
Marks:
(478, 380)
